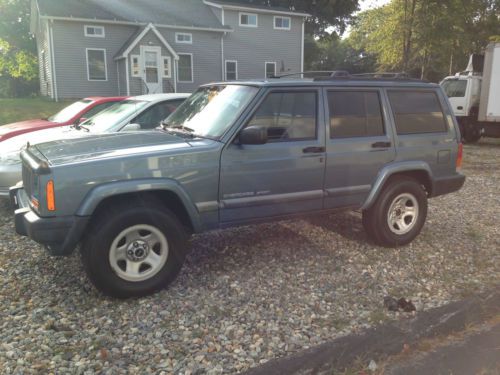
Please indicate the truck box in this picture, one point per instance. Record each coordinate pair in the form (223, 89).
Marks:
(489, 104)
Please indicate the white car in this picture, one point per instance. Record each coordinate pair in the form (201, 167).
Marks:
(135, 113)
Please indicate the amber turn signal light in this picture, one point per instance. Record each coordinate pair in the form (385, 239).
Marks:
(51, 200)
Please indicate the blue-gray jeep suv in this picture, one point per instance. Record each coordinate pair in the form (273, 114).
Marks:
(238, 153)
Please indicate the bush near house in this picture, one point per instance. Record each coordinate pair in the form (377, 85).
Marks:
(19, 109)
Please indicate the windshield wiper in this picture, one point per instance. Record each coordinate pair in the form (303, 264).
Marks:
(183, 130)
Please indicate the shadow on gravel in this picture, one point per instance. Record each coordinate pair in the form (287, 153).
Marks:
(346, 224)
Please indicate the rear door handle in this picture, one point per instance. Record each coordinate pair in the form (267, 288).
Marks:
(381, 144)
(313, 150)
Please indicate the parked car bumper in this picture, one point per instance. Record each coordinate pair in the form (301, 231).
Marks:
(10, 174)
(448, 184)
(59, 235)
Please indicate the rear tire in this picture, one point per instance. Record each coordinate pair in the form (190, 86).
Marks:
(134, 250)
(398, 214)
(471, 132)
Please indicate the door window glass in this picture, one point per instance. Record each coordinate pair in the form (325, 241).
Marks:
(288, 116)
(355, 114)
(151, 65)
(417, 112)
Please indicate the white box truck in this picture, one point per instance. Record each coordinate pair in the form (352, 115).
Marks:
(475, 95)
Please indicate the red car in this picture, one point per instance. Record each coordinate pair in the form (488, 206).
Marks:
(74, 113)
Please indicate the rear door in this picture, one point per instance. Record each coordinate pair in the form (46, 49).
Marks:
(285, 175)
(359, 143)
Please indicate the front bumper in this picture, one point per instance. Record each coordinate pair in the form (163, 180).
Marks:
(60, 235)
(448, 184)
(10, 174)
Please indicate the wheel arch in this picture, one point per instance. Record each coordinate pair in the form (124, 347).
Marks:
(169, 192)
(420, 171)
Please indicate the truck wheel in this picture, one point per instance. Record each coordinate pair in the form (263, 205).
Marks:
(134, 250)
(471, 135)
(398, 214)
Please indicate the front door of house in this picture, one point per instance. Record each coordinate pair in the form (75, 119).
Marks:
(151, 75)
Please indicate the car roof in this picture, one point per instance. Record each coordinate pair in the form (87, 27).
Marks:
(331, 82)
(160, 97)
(105, 98)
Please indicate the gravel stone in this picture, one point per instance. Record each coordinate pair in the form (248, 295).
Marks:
(249, 294)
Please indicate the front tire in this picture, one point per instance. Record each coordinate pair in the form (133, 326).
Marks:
(398, 214)
(134, 250)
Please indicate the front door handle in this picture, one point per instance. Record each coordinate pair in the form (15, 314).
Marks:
(381, 144)
(313, 150)
(460, 107)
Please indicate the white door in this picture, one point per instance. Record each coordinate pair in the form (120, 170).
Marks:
(151, 56)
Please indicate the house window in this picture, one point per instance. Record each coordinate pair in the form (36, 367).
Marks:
(94, 31)
(136, 68)
(282, 23)
(270, 69)
(231, 70)
(248, 19)
(167, 68)
(185, 67)
(184, 38)
(96, 64)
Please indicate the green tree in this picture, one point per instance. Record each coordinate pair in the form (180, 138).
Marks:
(18, 60)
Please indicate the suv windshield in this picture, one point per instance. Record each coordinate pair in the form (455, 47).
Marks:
(211, 110)
(454, 88)
(113, 115)
(70, 111)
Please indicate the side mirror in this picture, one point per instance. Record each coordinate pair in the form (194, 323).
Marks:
(253, 135)
(131, 127)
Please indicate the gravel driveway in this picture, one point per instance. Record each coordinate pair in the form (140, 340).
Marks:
(250, 294)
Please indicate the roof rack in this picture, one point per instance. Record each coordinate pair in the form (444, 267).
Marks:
(326, 75)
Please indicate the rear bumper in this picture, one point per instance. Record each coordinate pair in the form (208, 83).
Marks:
(60, 235)
(449, 184)
(10, 175)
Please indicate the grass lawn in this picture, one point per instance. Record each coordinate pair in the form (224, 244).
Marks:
(13, 110)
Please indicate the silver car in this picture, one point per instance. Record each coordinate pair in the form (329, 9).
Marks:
(136, 113)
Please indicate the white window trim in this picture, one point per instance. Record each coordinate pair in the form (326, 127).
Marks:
(282, 28)
(248, 14)
(94, 35)
(265, 68)
(132, 57)
(183, 41)
(225, 68)
(192, 68)
(167, 58)
(105, 64)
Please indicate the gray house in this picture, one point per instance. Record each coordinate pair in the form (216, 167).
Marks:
(133, 47)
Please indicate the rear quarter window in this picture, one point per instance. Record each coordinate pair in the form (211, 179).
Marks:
(417, 112)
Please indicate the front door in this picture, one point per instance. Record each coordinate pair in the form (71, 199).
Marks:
(285, 175)
(151, 75)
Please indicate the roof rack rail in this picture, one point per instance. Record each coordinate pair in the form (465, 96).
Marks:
(326, 75)
(316, 73)
(383, 75)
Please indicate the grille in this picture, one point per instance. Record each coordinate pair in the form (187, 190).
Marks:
(27, 180)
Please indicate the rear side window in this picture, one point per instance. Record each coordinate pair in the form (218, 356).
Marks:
(417, 112)
(355, 114)
(288, 116)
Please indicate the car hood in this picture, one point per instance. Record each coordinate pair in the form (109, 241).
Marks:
(10, 130)
(105, 145)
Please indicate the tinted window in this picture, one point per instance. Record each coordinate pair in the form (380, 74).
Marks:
(355, 114)
(454, 88)
(417, 112)
(287, 116)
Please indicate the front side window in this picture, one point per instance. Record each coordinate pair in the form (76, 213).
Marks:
(417, 112)
(96, 65)
(287, 116)
(282, 23)
(94, 31)
(355, 114)
(270, 69)
(211, 110)
(454, 88)
(185, 68)
(231, 70)
(248, 19)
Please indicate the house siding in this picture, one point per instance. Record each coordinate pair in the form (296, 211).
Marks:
(122, 81)
(253, 46)
(44, 58)
(71, 62)
(206, 50)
